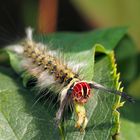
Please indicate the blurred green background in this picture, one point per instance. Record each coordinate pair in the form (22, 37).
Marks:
(47, 16)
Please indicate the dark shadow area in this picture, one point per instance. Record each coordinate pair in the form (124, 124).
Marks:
(126, 59)
(69, 19)
(99, 56)
(12, 26)
(11, 22)
(131, 111)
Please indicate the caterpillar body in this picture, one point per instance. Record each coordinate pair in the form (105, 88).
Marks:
(50, 71)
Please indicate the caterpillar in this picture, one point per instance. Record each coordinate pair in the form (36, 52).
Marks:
(50, 71)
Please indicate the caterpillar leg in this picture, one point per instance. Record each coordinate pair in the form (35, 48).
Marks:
(63, 101)
(82, 120)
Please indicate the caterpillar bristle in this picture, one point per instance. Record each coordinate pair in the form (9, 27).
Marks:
(48, 65)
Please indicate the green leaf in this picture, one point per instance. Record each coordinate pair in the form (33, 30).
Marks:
(19, 119)
(26, 122)
(130, 122)
(103, 118)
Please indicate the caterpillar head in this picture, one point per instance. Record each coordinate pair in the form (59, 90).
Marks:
(81, 92)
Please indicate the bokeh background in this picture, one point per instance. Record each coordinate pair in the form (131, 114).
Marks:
(48, 16)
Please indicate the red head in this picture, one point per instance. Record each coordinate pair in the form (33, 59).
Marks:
(81, 92)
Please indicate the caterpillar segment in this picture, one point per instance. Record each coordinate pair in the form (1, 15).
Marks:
(40, 58)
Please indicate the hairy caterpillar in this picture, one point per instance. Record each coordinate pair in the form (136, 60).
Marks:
(52, 72)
